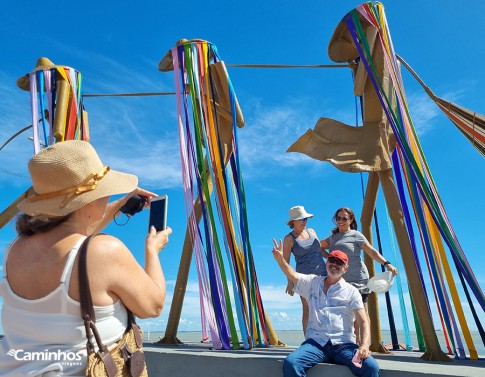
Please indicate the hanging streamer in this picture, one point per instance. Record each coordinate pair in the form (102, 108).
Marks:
(431, 217)
(56, 104)
(207, 115)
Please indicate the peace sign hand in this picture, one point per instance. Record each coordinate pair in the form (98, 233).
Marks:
(278, 250)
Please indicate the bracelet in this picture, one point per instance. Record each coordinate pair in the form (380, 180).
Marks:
(386, 263)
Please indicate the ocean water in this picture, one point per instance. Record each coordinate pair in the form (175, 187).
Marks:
(295, 338)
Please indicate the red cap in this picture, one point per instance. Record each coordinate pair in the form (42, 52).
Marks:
(339, 255)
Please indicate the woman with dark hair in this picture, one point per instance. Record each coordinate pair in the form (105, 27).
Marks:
(304, 244)
(347, 238)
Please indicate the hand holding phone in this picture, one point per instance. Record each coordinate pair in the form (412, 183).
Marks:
(356, 360)
(158, 213)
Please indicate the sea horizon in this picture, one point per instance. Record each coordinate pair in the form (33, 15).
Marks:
(293, 338)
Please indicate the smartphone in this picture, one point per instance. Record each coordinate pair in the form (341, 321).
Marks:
(158, 213)
(356, 360)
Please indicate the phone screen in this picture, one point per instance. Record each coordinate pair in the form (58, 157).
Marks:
(158, 212)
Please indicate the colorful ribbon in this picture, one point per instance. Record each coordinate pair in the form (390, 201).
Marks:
(212, 179)
(430, 216)
(57, 93)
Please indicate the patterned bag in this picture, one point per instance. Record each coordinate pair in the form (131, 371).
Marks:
(127, 358)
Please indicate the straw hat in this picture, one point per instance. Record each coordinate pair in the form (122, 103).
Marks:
(68, 175)
(42, 63)
(298, 213)
(381, 283)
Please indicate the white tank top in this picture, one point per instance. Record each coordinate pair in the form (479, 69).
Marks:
(46, 337)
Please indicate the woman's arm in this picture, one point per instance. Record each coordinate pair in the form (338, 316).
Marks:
(375, 255)
(112, 209)
(116, 274)
(324, 246)
(287, 246)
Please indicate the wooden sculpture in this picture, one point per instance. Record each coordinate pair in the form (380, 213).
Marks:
(368, 149)
(223, 112)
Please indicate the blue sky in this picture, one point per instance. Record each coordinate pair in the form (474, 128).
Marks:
(117, 47)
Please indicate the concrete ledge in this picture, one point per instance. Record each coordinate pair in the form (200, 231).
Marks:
(198, 359)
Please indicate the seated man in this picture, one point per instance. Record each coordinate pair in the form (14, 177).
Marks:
(333, 306)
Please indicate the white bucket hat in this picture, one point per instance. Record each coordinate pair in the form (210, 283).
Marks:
(298, 213)
(381, 283)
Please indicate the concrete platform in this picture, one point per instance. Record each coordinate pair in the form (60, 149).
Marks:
(199, 360)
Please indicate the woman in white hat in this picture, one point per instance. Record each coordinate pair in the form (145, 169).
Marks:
(305, 246)
(40, 288)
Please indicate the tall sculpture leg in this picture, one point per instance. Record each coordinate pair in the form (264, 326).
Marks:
(12, 210)
(366, 221)
(181, 285)
(433, 351)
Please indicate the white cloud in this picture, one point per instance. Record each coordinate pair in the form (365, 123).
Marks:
(280, 315)
(155, 162)
(139, 134)
(275, 298)
(424, 111)
(284, 311)
(270, 131)
(13, 118)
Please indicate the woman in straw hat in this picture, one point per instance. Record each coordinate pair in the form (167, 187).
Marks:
(40, 289)
(305, 246)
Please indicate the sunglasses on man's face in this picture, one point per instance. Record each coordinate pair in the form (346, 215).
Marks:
(305, 219)
(338, 218)
(336, 261)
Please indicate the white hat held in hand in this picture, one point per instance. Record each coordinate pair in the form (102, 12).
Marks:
(381, 283)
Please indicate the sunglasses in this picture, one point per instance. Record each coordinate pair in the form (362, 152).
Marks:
(305, 219)
(336, 261)
(338, 218)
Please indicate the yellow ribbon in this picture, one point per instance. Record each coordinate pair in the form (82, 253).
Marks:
(89, 184)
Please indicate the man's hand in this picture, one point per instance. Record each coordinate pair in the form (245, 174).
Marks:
(290, 273)
(289, 288)
(363, 352)
(277, 250)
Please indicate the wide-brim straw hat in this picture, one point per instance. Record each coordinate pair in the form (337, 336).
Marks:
(298, 213)
(42, 63)
(69, 175)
